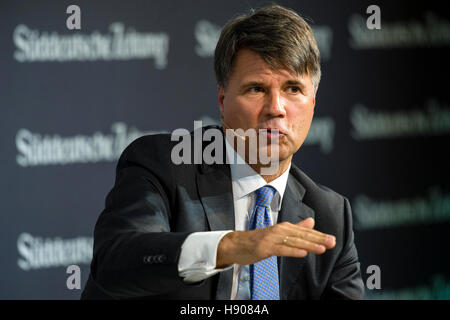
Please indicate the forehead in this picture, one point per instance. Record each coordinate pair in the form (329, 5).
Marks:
(249, 66)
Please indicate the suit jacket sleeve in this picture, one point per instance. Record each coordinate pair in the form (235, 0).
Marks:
(135, 251)
(345, 280)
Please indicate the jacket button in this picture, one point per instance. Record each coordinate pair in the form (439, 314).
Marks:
(148, 259)
(162, 258)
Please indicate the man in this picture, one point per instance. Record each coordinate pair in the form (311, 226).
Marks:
(226, 231)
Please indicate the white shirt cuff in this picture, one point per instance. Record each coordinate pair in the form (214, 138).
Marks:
(198, 255)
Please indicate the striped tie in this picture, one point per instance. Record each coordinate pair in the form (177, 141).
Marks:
(263, 274)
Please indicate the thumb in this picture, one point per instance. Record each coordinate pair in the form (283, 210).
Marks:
(307, 223)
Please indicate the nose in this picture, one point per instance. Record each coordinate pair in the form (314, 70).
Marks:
(275, 104)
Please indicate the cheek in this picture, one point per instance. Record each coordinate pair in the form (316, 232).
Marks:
(299, 116)
(300, 119)
(240, 110)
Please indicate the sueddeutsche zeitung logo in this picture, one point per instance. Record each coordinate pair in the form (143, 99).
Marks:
(40, 253)
(431, 31)
(35, 149)
(121, 44)
(431, 119)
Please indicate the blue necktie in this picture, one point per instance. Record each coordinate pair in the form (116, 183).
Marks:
(263, 274)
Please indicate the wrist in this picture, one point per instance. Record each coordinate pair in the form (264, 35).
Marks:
(225, 251)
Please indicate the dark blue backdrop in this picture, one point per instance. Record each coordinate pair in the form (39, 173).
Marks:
(71, 100)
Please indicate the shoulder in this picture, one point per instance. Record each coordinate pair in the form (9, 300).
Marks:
(169, 149)
(147, 158)
(161, 146)
(169, 157)
(148, 146)
(316, 192)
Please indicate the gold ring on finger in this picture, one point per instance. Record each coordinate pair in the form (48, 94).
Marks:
(285, 239)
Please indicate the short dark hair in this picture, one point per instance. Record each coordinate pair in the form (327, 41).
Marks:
(279, 35)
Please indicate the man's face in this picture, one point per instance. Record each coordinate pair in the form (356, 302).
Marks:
(259, 97)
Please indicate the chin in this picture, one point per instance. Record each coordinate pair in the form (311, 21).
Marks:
(282, 155)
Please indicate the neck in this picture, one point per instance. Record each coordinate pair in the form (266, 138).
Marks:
(282, 167)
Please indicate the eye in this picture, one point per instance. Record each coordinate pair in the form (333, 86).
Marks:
(255, 89)
(294, 89)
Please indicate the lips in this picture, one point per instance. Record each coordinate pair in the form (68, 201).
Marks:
(274, 130)
(272, 134)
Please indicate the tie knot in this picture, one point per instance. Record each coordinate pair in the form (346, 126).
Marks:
(264, 196)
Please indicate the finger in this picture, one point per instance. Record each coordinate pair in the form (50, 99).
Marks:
(286, 251)
(307, 223)
(327, 240)
(304, 244)
(323, 240)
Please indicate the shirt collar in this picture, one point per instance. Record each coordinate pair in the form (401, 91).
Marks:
(246, 180)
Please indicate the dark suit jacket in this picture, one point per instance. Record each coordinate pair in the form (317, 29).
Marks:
(155, 204)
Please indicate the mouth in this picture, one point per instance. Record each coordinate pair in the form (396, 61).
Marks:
(274, 130)
(272, 133)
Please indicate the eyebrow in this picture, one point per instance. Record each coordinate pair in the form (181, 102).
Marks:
(296, 83)
(252, 84)
(261, 84)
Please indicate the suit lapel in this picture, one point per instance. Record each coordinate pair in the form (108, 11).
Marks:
(215, 191)
(293, 210)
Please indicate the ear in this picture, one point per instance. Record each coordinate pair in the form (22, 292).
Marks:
(220, 98)
(314, 98)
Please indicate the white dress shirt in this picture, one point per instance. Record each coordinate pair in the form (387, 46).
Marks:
(199, 251)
